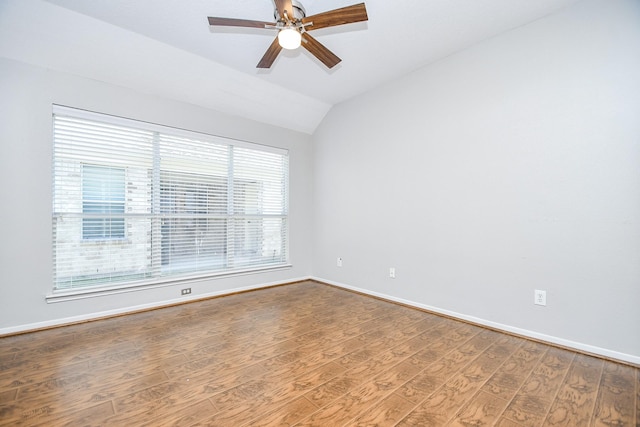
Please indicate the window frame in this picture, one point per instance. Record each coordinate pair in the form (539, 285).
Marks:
(61, 293)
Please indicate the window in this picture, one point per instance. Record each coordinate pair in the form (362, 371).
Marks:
(188, 235)
(136, 203)
(102, 194)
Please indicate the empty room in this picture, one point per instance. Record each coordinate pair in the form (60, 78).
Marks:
(320, 213)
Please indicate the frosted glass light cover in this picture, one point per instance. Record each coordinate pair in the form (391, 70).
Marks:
(289, 38)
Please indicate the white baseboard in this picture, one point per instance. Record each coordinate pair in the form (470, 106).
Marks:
(133, 309)
(610, 354)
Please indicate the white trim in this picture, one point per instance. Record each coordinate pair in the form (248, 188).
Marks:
(499, 326)
(30, 327)
(93, 292)
(66, 111)
(611, 354)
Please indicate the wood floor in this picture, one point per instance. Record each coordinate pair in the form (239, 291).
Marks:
(306, 355)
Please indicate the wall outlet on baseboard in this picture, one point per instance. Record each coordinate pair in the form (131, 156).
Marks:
(339, 262)
(540, 297)
(185, 291)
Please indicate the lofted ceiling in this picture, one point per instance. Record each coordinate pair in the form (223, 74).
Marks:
(216, 67)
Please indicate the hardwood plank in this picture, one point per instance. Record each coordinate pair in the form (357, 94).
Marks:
(434, 376)
(5, 358)
(387, 412)
(353, 403)
(8, 396)
(288, 415)
(83, 384)
(363, 364)
(508, 380)
(185, 416)
(374, 365)
(532, 403)
(505, 422)
(576, 398)
(86, 416)
(187, 391)
(242, 404)
(57, 399)
(616, 398)
(15, 343)
(255, 383)
(442, 405)
(482, 410)
(105, 363)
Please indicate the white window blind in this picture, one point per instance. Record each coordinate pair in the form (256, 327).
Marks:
(137, 203)
(102, 194)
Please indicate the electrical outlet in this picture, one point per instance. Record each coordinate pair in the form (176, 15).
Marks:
(185, 291)
(540, 297)
(392, 272)
(339, 262)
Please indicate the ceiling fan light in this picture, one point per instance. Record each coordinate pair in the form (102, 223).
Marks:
(289, 38)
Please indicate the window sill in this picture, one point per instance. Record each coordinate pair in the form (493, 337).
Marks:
(78, 294)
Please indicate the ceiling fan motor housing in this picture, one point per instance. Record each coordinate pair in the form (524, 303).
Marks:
(298, 11)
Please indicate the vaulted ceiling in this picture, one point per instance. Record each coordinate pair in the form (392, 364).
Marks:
(167, 48)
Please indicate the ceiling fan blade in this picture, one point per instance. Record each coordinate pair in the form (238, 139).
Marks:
(345, 15)
(282, 5)
(270, 55)
(318, 50)
(233, 22)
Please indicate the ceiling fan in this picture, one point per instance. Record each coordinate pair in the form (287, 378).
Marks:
(293, 29)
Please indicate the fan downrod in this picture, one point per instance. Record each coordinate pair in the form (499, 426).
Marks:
(299, 12)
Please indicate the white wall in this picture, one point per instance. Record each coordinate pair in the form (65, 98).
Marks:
(511, 166)
(27, 95)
